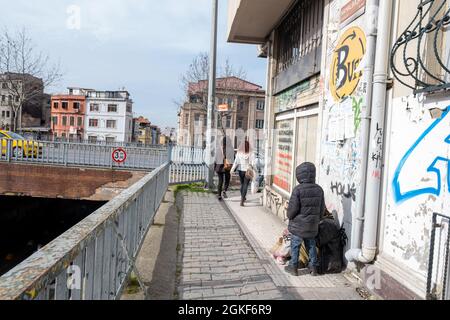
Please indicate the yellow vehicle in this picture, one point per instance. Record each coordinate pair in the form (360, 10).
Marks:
(20, 146)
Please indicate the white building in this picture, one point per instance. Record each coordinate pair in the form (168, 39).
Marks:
(109, 116)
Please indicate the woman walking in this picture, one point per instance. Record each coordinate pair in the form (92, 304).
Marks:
(244, 163)
(222, 166)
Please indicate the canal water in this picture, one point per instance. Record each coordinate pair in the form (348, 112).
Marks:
(27, 224)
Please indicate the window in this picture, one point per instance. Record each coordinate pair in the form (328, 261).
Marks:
(240, 124)
(3, 114)
(3, 98)
(64, 121)
(93, 123)
(17, 98)
(230, 102)
(111, 124)
(228, 124)
(92, 139)
(95, 107)
(8, 114)
(4, 85)
(55, 121)
(129, 108)
(79, 121)
(65, 105)
(55, 105)
(110, 139)
(63, 135)
(76, 105)
(112, 108)
(72, 121)
(300, 33)
(197, 119)
(241, 105)
(259, 124)
(284, 144)
(260, 105)
(186, 120)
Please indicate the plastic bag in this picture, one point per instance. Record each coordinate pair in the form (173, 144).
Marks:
(255, 186)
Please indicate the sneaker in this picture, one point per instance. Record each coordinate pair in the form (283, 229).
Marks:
(220, 198)
(225, 196)
(314, 272)
(293, 271)
(242, 203)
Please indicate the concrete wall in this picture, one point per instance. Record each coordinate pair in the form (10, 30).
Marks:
(64, 183)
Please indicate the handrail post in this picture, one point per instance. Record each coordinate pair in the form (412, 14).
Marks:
(8, 150)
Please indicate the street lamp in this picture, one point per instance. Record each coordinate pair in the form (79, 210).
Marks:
(210, 140)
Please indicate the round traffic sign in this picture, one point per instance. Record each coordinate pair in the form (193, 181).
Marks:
(119, 155)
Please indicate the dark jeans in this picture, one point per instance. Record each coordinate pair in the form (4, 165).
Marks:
(244, 184)
(223, 177)
(310, 244)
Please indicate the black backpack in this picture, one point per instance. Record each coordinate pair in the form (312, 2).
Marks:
(332, 240)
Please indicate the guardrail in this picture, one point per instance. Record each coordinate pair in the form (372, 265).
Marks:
(94, 155)
(92, 260)
(80, 154)
(187, 173)
(438, 282)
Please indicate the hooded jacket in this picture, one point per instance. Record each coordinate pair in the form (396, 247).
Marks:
(307, 204)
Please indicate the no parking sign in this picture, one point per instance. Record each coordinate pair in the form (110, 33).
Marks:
(119, 155)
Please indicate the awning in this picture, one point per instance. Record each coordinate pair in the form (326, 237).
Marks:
(251, 21)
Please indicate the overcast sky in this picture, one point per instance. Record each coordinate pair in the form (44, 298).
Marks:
(142, 45)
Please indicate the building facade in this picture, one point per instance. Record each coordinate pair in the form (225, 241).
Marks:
(109, 116)
(27, 91)
(68, 116)
(352, 91)
(245, 102)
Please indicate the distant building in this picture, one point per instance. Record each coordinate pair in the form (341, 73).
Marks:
(68, 112)
(109, 116)
(246, 103)
(142, 131)
(35, 111)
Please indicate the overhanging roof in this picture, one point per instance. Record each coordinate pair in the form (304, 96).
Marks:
(251, 21)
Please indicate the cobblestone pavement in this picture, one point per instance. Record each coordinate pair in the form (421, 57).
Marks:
(217, 261)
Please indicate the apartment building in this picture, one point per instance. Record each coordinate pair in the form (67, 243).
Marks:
(33, 110)
(68, 116)
(245, 116)
(359, 89)
(109, 116)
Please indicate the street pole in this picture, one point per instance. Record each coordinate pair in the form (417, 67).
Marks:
(210, 139)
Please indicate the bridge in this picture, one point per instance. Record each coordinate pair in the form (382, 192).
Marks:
(93, 259)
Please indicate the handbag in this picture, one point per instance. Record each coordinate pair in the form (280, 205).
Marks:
(227, 166)
(250, 174)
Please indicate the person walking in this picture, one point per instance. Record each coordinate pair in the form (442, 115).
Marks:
(306, 210)
(223, 165)
(245, 164)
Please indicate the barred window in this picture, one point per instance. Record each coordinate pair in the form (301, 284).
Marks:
(300, 33)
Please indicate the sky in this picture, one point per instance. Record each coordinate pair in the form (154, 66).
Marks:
(142, 45)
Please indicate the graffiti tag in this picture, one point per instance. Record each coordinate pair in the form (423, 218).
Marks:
(345, 73)
(346, 190)
(419, 171)
(357, 105)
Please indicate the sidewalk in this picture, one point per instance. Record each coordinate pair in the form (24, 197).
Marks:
(226, 255)
(262, 229)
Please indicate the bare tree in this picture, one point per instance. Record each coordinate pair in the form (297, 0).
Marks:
(197, 77)
(24, 71)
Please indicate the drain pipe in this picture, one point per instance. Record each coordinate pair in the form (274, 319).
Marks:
(371, 35)
(367, 252)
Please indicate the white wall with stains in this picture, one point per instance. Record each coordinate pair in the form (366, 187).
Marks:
(417, 176)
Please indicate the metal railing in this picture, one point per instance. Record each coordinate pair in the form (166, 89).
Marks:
(187, 173)
(80, 154)
(439, 265)
(92, 260)
(188, 155)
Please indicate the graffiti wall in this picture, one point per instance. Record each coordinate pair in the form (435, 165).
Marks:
(345, 90)
(418, 178)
